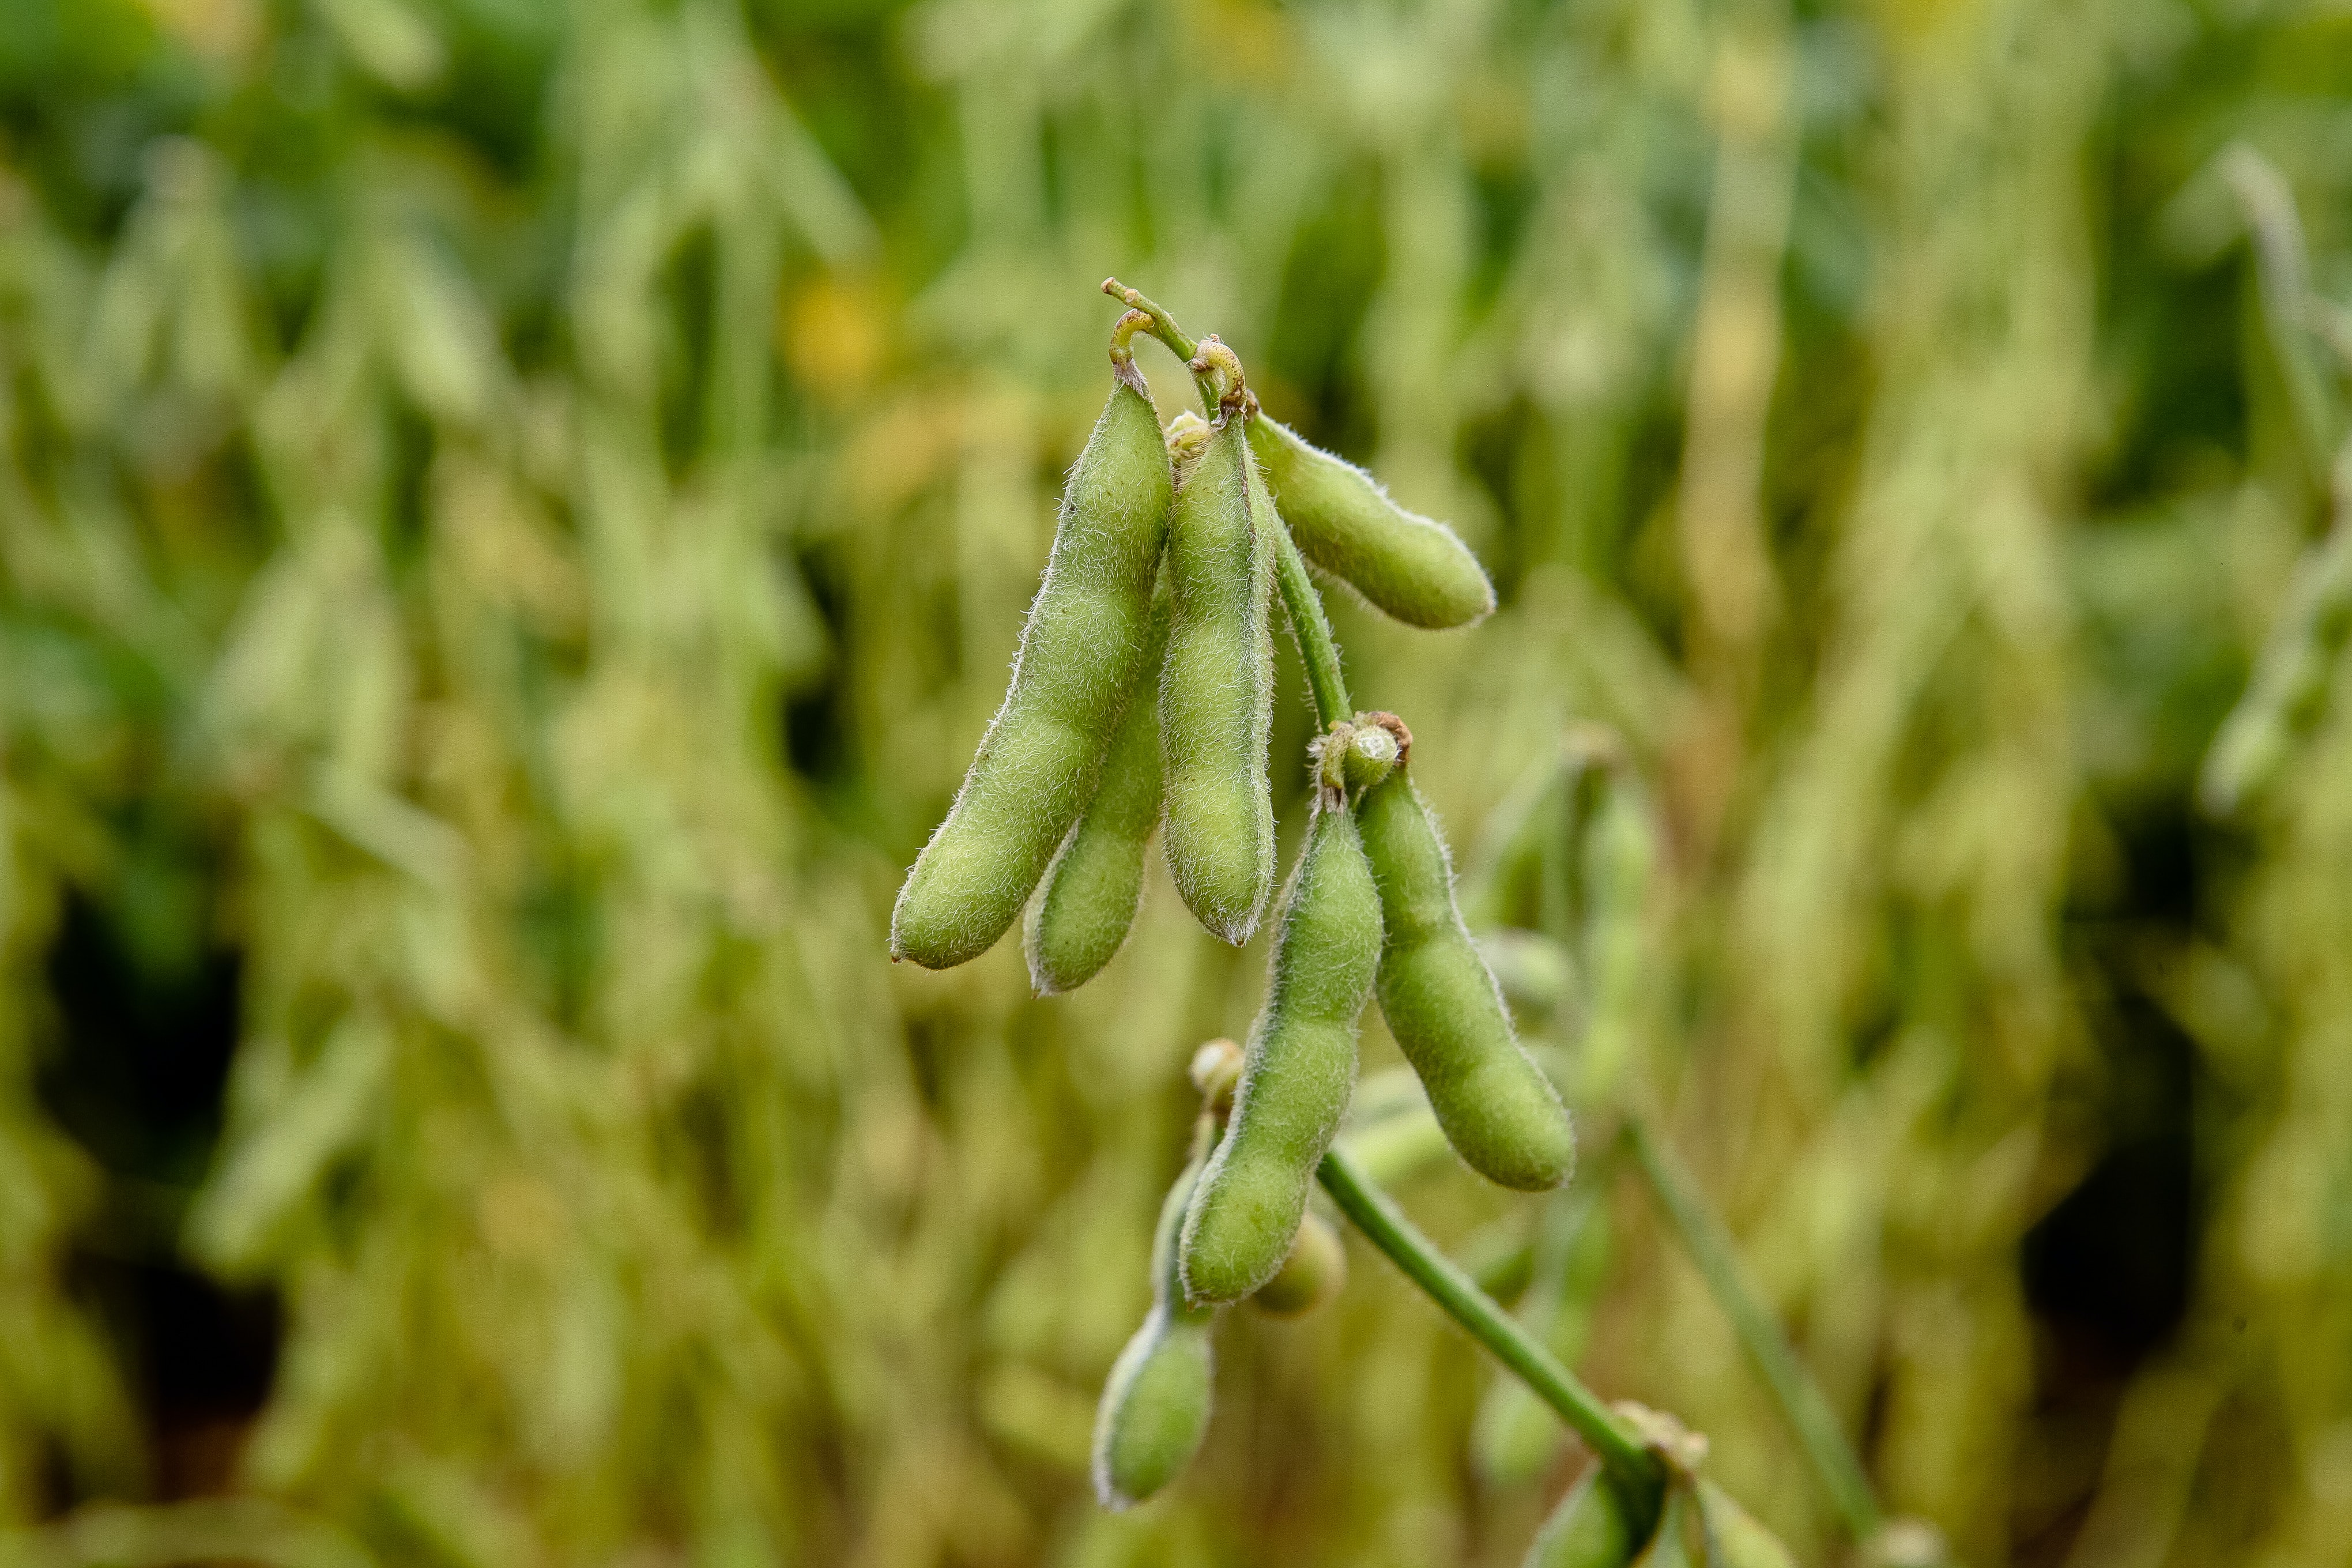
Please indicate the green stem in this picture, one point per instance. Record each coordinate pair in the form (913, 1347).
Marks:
(1163, 325)
(1802, 1404)
(1386, 1227)
(1315, 649)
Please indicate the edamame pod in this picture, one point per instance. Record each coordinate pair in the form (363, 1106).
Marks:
(1297, 1068)
(1216, 687)
(1082, 911)
(1595, 1526)
(1498, 1110)
(1155, 1405)
(1316, 1270)
(1734, 1537)
(1081, 653)
(1412, 567)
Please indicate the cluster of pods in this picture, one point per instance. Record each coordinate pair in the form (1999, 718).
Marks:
(1163, 569)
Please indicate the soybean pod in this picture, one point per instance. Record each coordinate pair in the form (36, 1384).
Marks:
(1409, 566)
(1315, 1271)
(1297, 1068)
(1733, 1537)
(1595, 1526)
(1496, 1108)
(1082, 651)
(1091, 892)
(1216, 681)
(1155, 1403)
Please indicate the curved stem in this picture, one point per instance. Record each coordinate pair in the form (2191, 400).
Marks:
(1315, 649)
(1641, 1472)
(1802, 1404)
(1164, 328)
(1163, 325)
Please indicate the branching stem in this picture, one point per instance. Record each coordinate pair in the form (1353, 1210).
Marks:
(1163, 325)
(1385, 1227)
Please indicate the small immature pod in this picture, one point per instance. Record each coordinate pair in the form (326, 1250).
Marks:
(1595, 1526)
(1155, 1405)
(1734, 1537)
(1081, 654)
(1315, 1272)
(1498, 1110)
(1082, 911)
(1356, 753)
(1412, 567)
(1186, 434)
(1216, 682)
(1297, 1068)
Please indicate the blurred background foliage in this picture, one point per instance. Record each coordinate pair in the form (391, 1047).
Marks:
(513, 513)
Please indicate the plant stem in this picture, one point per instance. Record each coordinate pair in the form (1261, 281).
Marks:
(1315, 649)
(1802, 1404)
(1386, 1227)
(1163, 325)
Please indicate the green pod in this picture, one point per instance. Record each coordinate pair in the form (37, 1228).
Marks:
(1296, 1070)
(1670, 1544)
(1155, 1403)
(1595, 1526)
(1216, 689)
(1733, 1537)
(1315, 1272)
(1082, 911)
(1411, 567)
(1498, 1110)
(1081, 654)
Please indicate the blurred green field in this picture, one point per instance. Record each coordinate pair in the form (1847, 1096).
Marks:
(513, 514)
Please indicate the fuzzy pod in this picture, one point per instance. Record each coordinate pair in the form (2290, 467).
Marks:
(1441, 1001)
(1409, 566)
(1216, 689)
(1296, 1070)
(1315, 1272)
(1155, 1402)
(1733, 1537)
(1596, 1525)
(1087, 902)
(1081, 653)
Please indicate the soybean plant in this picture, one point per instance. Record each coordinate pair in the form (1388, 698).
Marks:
(1173, 549)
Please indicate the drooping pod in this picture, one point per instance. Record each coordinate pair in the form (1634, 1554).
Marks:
(1315, 1271)
(1735, 1539)
(1091, 892)
(1297, 1068)
(1412, 567)
(1595, 1526)
(1155, 1403)
(1081, 653)
(1216, 681)
(1498, 1110)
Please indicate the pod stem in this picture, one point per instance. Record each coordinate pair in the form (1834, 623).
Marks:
(1371, 1211)
(1304, 606)
(1803, 1404)
(1163, 325)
